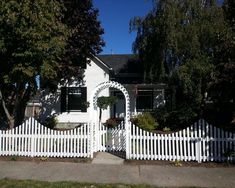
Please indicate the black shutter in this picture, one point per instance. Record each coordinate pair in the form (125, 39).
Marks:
(84, 99)
(63, 100)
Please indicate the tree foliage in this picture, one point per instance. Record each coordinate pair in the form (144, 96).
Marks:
(176, 32)
(222, 88)
(32, 37)
(42, 39)
(183, 43)
(104, 102)
(84, 38)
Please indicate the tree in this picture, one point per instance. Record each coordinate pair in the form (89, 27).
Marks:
(42, 39)
(84, 39)
(83, 42)
(177, 42)
(103, 103)
(229, 10)
(175, 32)
(222, 89)
(32, 38)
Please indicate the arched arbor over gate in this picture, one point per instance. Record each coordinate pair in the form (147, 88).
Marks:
(105, 85)
(93, 109)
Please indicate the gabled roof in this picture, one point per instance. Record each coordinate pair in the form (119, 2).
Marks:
(100, 62)
(117, 62)
(126, 68)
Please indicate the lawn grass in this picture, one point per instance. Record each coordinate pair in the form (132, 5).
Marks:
(8, 183)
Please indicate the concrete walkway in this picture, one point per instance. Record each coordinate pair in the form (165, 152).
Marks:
(128, 174)
(107, 158)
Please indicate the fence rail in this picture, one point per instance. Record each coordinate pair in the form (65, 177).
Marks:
(199, 142)
(33, 139)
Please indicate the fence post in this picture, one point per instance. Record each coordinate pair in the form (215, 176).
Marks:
(128, 142)
(91, 124)
(32, 145)
(198, 150)
(32, 123)
(0, 142)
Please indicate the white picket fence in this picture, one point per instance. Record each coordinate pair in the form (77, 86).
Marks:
(33, 139)
(200, 142)
(111, 139)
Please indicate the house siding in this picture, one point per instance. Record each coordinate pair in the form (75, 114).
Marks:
(93, 76)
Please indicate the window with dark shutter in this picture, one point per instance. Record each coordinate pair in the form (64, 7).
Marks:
(84, 99)
(144, 99)
(75, 99)
(63, 99)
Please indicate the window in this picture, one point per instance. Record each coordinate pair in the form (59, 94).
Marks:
(144, 99)
(73, 99)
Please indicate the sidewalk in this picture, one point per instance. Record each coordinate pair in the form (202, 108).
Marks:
(127, 174)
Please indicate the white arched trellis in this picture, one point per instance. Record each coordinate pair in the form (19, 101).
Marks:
(93, 111)
(102, 86)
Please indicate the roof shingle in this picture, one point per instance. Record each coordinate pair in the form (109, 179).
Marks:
(117, 61)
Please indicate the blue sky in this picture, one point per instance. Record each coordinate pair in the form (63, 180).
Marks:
(115, 16)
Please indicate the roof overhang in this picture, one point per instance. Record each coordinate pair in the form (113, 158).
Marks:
(100, 62)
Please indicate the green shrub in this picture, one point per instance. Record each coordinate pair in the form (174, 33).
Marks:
(111, 122)
(166, 129)
(51, 122)
(161, 114)
(145, 121)
(175, 119)
(181, 118)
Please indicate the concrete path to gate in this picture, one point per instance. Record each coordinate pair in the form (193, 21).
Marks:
(163, 176)
(107, 158)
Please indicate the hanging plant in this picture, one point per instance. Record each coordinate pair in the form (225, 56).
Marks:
(103, 103)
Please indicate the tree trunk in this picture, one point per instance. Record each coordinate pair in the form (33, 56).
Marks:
(10, 119)
(21, 103)
(100, 115)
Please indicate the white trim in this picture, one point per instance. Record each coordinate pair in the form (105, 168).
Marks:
(102, 63)
(34, 104)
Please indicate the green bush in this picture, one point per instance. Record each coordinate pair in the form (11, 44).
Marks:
(166, 129)
(51, 122)
(145, 121)
(181, 118)
(175, 119)
(161, 114)
(111, 122)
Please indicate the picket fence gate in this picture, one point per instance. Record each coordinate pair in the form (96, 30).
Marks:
(200, 142)
(112, 139)
(35, 140)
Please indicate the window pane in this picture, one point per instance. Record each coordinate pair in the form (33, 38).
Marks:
(74, 102)
(76, 99)
(144, 99)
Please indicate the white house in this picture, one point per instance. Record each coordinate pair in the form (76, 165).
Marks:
(71, 102)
